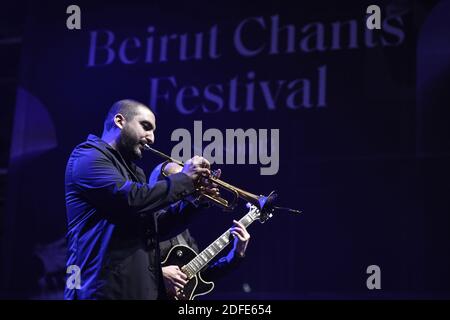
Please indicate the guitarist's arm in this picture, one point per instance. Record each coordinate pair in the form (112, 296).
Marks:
(235, 256)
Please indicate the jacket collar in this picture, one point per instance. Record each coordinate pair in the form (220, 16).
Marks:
(99, 143)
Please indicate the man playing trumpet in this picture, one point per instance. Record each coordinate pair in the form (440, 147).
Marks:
(112, 233)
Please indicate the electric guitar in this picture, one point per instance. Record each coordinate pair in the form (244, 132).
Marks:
(192, 264)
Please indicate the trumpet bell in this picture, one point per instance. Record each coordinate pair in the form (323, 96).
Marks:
(266, 203)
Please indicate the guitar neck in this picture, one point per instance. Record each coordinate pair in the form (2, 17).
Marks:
(204, 257)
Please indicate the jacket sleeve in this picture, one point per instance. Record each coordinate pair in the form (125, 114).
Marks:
(105, 188)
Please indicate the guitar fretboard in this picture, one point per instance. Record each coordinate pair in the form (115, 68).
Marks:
(204, 257)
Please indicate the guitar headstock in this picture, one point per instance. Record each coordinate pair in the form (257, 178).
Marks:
(255, 213)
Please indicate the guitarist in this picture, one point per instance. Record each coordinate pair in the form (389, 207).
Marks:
(174, 278)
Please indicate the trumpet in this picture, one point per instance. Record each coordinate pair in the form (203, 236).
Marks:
(263, 203)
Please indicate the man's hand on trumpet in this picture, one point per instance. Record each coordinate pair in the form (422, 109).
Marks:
(199, 169)
(208, 187)
(196, 168)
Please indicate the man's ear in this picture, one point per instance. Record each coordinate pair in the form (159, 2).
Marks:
(119, 120)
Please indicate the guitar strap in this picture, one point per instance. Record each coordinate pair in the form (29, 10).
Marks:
(182, 240)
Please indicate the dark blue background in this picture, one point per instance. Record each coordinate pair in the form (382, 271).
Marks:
(369, 170)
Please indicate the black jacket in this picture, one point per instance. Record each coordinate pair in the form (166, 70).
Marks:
(112, 234)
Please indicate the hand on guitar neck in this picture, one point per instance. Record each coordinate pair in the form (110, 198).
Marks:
(175, 279)
(241, 238)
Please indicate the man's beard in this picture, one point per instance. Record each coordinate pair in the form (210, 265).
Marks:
(129, 146)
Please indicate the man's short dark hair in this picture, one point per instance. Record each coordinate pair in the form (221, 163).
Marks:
(127, 108)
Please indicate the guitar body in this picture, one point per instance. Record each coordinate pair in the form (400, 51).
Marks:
(192, 264)
(181, 255)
